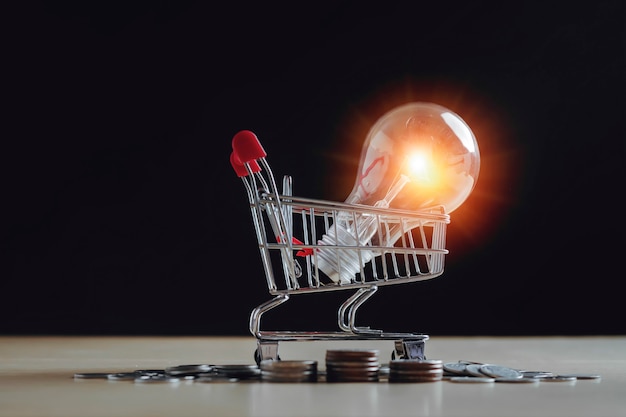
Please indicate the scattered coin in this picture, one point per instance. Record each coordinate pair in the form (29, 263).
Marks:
(497, 371)
(157, 378)
(471, 379)
(518, 380)
(470, 362)
(342, 365)
(536, 374)
(581, 376)
(239, 371)
(216, 378)
(150, 372)
(457, 368)
(557, 378)
(189, 370)
(122, 376)
(474, 369)
(91, 375)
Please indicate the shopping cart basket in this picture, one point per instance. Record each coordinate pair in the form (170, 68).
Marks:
(292, 233)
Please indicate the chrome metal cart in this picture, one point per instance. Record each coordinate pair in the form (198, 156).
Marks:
(401, 247)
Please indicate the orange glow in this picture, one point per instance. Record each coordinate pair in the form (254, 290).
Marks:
(497, 191)
(420, 167)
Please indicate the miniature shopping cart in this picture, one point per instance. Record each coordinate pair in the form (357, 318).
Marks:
(292, 234)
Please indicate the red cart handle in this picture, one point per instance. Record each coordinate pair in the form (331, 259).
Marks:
(247, 146)
(246, 149)
(240, 169)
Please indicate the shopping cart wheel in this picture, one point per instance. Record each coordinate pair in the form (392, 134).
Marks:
(266, 351)
(409, 349)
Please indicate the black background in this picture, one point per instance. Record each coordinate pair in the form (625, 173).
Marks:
(122, 214)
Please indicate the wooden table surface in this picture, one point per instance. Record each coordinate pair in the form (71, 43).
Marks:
(37, 379)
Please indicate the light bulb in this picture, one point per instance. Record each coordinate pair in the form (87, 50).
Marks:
(419, 156)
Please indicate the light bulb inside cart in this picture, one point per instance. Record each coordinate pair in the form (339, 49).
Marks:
(418, 157)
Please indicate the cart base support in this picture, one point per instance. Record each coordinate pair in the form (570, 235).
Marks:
(403, 349)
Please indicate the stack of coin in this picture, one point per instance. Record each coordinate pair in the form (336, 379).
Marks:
(415, 370)
(288, 371)
(352, 365)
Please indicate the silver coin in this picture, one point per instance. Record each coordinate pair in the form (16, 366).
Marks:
(518, 380)
(187, 370)
(581, 376)
(557, 378)
(122, 376)
(157, 378)
(216, 379)
(474, 369)
(497, 371)
(240, 371)
(91, 375)
(471, 379)
(149, 372)
(471, 362)
(455, 367)
(536, 374)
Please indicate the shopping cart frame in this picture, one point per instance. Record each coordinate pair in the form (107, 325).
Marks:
(417, 254)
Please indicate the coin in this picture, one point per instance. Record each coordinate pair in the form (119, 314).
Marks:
(518, 380)
(216, 379)
(497, 371)
(352, 365)
(417, 363)
(557, 378)
(157, 378)
(474, 369)
(351, 353)
(150, 372)
(471, 379)
(122, 376)
(289, 371)
(288, 364)
(188, 370)
(536, 374)
(240, 371)
(457, 368)
(415, 370)
(91, 375)
(581, 376)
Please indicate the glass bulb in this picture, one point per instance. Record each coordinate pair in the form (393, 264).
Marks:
(418, 156)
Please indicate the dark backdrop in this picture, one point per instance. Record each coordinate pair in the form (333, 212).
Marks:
(122, 214)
